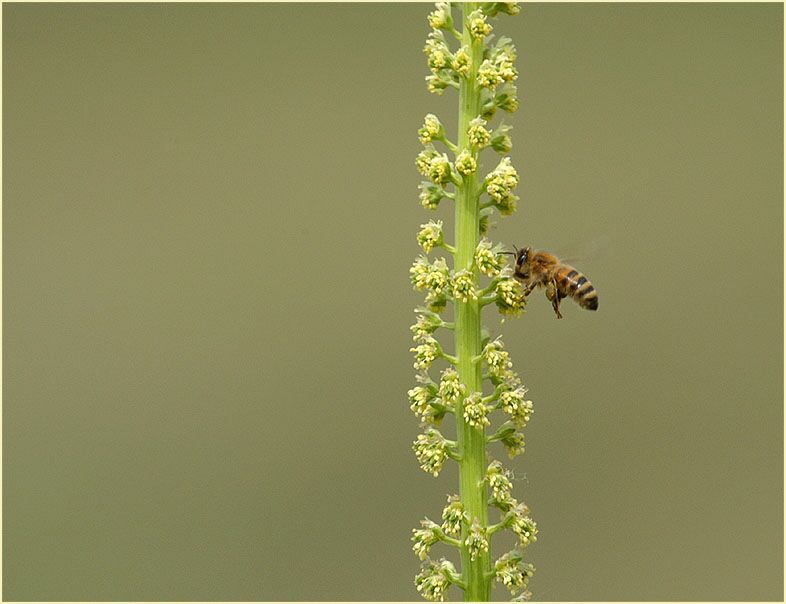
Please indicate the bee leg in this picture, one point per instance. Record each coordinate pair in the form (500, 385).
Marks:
(528, 289)
(552, 293)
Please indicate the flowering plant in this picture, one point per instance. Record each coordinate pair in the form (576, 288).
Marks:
(478, 384)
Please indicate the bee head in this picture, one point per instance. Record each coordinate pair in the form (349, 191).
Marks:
(522, 257)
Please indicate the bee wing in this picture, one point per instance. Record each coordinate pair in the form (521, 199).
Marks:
(588, 251)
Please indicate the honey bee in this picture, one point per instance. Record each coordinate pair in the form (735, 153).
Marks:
(542, 269)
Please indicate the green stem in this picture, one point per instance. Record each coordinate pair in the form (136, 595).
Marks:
(472, 440)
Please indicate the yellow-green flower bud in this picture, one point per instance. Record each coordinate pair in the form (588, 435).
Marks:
(488, 76)
(478, 136)
(463, 286)
(425, 324)
(419, 398)
(497, 358)
(514, 443)
(435, 39)
(501, 182)
(431, 195)
(488, 259)
(440, 169)
(475, 410)
(435, 84)
(425, 276)
(478, 27)
(461, 61)
(424, 159)
(513, 403)
(419, 273)
(439, 276)
(438, 59)
(512, 572)
(503, 59)
(434, 579)
(476, 540)
(431, 450)
(506, 71)
(465, 163)
(510, 297)
(432, 129)
(450, 387)
(425, 353)
(430, 235)
(525, 527)
(499, 482)
(424, 538)
(454, 516)
(441, 17)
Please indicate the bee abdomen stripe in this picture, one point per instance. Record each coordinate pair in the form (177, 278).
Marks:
(587, 292)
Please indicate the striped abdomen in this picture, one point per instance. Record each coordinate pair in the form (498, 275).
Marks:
(572, 284)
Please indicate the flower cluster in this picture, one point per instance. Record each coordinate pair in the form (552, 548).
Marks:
(453, 516)
(521, 524)
(431, 195)
(478, 385)
(431, 130)
(431, 449)
(461, 62)
(476, 540)
(497, 359)
(510, 297)
(434, 579)
(425, 353)
(488, 259)
(419, 398)
(450, 386)
(479, 28)
(500, 185)
(512, 572)
(423, 538)
(514, 443)
(477, 134)
(513, 403)
(476, 411)
(499, 482)
(441, 18)
(463, 286)
(426, 323)
(465, 163)
(427, 276)
(430, 235)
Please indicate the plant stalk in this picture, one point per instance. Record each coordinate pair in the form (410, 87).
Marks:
(472, 440)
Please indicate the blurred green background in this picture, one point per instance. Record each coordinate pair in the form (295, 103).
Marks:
(209, 214)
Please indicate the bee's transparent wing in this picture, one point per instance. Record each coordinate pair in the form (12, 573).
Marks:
(585, 252)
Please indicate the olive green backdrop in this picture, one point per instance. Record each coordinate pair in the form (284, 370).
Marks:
(209, 214)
